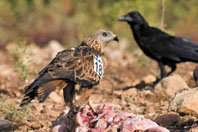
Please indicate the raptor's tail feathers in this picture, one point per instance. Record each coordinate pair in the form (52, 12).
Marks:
(38, 82)
(40, 88)
(45, 89)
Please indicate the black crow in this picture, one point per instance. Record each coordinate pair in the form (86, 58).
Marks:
(160, 46)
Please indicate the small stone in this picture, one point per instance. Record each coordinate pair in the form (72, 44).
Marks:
(55, 47)
(195, 75)
(55, 98)
(36, 126)
(193, 130)
(117, 92)
(157, 129)
(150, 109)
(111, 129)
(149, 78)
(130, 92)
(18, 94)
(30, 130)
(150, 96)
(53, 113)
(169, 86)
(37, 107)
(6, 70)
(167, 120)
(186, 102)
(6, 126)
(129, 95)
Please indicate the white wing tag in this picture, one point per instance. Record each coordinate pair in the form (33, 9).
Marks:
(98, 66)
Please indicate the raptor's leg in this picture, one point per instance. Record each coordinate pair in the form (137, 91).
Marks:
(91, 104)
(85, 96)
(173, 68)
(68, 93)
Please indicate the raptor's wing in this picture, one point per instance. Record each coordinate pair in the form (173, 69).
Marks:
(75, 64)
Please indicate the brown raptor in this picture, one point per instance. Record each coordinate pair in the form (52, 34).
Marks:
(83, 65)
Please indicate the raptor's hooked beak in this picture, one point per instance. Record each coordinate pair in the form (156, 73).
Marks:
(116, 39)
(125, 18)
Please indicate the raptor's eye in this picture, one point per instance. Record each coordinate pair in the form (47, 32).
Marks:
(104, 34)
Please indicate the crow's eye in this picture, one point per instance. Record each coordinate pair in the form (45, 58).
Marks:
(104, 34)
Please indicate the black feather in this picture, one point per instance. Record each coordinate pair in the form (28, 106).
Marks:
(160, 46)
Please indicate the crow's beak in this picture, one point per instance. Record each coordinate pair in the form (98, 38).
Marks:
(125, 18)
(121, 18)
(116, 39)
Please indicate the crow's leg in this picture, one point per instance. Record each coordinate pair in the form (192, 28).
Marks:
(163, 73)
(173, 68)
(162, 70)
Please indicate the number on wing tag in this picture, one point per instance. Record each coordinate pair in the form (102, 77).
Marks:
(98, 65)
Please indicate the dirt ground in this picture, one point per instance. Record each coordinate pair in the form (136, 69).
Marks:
(124, 70)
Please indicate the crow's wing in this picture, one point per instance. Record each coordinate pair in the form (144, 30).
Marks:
(161, 45)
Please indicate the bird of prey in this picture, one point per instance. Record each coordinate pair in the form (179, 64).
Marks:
(195, 75)
(160, 46)
(83, 65)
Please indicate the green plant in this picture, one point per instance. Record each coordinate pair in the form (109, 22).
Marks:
(68, 21)
(11, 111)
(142, 61)
(22, 57)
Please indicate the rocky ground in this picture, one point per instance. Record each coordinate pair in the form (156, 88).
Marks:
(172, 103)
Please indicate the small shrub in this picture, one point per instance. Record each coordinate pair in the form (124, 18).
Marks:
(11, 111)
(21, 55)
(142, 61)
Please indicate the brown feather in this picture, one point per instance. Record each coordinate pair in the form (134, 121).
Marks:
(45, 89)
(69, 67)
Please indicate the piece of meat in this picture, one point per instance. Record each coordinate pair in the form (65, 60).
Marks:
(84, 117)
(107, 116)
(138, 123)
(120, 117)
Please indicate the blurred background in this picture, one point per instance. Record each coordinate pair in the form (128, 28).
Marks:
(69, 21)
(33, 31)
